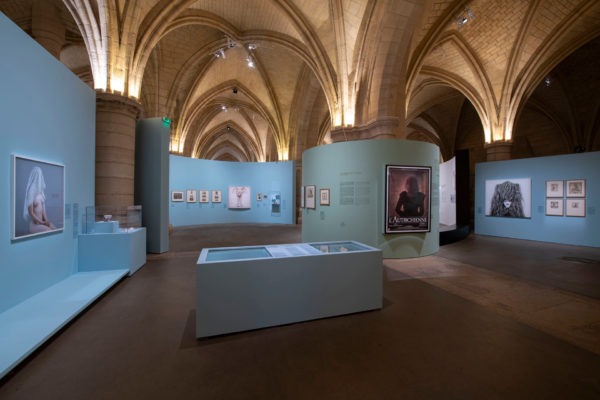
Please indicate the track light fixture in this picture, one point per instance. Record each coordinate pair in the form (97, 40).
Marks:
(250, 62)
(462, 19)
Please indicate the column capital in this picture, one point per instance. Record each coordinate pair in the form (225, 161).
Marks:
(116, 103)
(382, 128)
(497, 151)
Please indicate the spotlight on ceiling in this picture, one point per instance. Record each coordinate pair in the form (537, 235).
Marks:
(251, 46)
(234, 90)
(547, 81)
(224, 108)
(230, 42)
(462, 19)
(250, 62)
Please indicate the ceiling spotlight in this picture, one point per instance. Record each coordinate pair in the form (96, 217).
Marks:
(222, 53)
(461, 20)
(547, 81)
(234, 90)
(251, 46)
(250, 62)
(228, 128)
(230, 42)
(470, 14)
(224, 108)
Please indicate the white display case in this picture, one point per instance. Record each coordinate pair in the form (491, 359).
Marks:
(243, 288)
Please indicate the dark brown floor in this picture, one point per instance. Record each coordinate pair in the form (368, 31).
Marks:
(137, 342)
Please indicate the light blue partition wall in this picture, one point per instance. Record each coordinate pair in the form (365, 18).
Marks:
(569, 230)
(265, 178)
(47, 113)
(152, 181)
(363, 164)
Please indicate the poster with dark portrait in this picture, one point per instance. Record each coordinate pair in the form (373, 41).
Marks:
(38, 197)
(407, 199)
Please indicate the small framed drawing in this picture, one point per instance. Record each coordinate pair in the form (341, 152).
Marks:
(301, 196)
(310, 193)
(575, 208)
(216, 196)
(38, 197)
(176, 195)
(190, 196)
(203, 196)
(258, 197)
(576, 188)
(554, 189)
(554, 206)
(324, 197)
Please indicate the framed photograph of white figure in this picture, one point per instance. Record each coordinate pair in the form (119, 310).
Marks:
(554, 206)
(301, 196)
(203, 196)
(576, 188)
(407, 199)
(555, 189)
(216, 196)
(38, 197)
(310, 192)
(258, 197)
(190, 196)
(324, 197)
(239, 197)
(575, 208)
(177, 196)
(508, 198)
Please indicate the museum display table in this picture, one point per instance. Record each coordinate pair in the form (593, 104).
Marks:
(243, 288)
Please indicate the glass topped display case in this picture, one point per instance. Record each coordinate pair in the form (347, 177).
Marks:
(112, 219)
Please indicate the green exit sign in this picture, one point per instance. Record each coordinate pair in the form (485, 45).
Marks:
(166, 121)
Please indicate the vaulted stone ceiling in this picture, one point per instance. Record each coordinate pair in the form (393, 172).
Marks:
(307, 72)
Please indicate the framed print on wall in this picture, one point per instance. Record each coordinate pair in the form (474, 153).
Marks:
(554, 206)
(216, 196)
(575, 208)
(190, 196)
(407, 199)
(324, 197)
(310, 192)
(239, 197)
(508, 198)
(258, 197)
(576, 188)
(203, 194)
(177, 195)
(554, 188)
(38, 197)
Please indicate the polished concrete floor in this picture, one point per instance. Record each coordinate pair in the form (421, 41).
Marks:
(485, 318)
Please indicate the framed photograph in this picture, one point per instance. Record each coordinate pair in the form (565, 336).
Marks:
(216, 196)
(508, 198)
(258, 197)
(324, 197)
(555, 189)
(310, 192)
(575, 208)
(554, 206)
(276, 202)
(190, 196)
(203, 194)
(576, 188)
(239, 197)
(177, 195)
(38, 197)
(407, 199)
(301, 196)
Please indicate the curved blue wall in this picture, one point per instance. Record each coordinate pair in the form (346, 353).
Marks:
(363, 162)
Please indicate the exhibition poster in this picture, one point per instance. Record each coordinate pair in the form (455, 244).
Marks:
(408, 199)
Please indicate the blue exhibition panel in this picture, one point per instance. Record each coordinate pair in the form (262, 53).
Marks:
(584, 231)
(267, 178)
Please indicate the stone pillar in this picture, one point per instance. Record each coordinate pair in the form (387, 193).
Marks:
(115, 148)
(383, 128)
(498, 151)
(47, 27)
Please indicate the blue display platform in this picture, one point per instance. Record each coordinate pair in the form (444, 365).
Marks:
(26, 326)
(124, 249)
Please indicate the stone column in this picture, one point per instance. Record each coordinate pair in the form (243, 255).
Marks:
(115, 149)
(383, 128)
(47, 27)
(498, 151)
